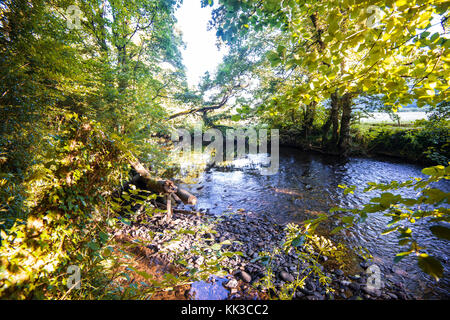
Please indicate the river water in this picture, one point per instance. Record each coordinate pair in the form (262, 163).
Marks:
(307, 184)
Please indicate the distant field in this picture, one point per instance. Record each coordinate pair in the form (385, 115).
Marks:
(381, 117)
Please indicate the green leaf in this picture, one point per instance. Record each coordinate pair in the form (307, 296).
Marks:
(298, 241)
(433, 171)
(336, 230)
(431, 266)
(389, 230)
(236, 117)
(441, 232)
(397, 258)
(93, 245)
(347, 219)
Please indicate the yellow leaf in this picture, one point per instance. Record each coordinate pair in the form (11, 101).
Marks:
(400, 3)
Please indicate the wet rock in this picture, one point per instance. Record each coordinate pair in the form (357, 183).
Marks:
(355, 277)
(305, 291)
(286, 276)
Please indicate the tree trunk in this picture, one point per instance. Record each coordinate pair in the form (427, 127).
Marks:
(344, 136)
(325, 129)
(122, 59)
(309, 118)
(334, 116)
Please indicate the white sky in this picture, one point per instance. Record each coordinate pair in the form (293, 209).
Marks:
(201, 53)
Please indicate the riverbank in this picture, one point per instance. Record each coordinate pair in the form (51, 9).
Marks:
(252, 234)
(420, 145)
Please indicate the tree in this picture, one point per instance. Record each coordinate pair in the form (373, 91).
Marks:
(350, 48)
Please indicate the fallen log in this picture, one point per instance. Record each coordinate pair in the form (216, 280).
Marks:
(186, 197)
(175, 198)
(144, 180)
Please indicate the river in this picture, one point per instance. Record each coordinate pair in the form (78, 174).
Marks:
(306, 184)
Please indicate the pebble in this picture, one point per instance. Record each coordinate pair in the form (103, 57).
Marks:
(286, 276)
(253, 234)
(339, 273)
(233, 283)
(354, 286)
(372, 292)
(245, 276)
(364, 265)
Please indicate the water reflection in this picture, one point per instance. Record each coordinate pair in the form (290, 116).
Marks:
(209, 290)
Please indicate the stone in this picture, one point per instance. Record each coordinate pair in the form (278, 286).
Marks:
(364, 265)
(233, 283)
(339, 273)
(354, 286)
(393, 296)
(199, 261)
(345, 283)
(319, 296)
(311, 286)
(315, 296)
(286, 276)
(245, 276)
(372, 292)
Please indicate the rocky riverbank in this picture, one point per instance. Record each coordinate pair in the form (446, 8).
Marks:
(251, 234)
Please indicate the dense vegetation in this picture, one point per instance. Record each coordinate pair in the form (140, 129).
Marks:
(80, 102)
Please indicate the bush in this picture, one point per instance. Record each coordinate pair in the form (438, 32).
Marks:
(428, 145)
(65, 225)
(430, 206)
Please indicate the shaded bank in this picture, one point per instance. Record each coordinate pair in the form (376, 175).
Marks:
(423, 146)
